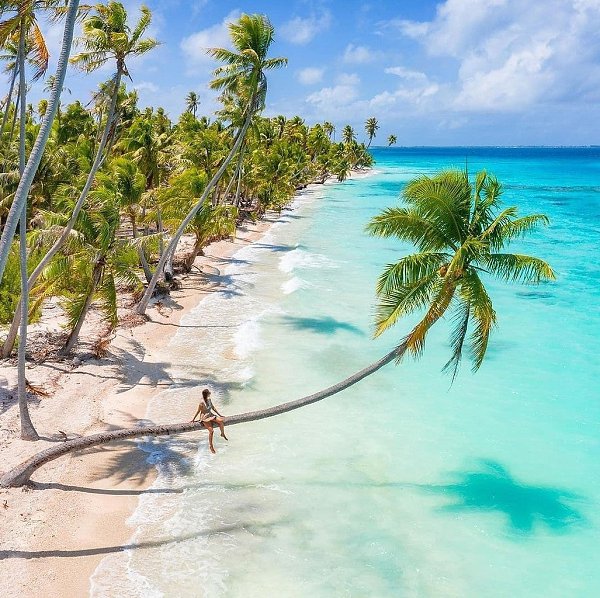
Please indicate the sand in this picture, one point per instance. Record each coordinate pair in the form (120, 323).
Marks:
(53, 536)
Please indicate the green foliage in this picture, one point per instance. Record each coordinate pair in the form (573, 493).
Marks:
(460, 229)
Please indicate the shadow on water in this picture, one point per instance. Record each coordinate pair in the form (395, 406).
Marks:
(526, 507)
(325, 325)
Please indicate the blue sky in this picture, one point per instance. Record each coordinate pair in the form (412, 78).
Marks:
(456, 72)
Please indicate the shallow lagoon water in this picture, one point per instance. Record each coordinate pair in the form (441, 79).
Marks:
(404, 485)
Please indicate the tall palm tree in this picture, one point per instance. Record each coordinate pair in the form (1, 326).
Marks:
(192, 102)
(106, 36)
(392, 140)
(459, 230)
(371, 127)
(243, 75)
(329, 129)
(20, 197)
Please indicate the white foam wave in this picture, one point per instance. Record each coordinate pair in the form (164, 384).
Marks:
(247, 338)
(300, 258)
(293, 284)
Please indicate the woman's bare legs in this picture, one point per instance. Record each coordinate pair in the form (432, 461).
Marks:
(221, 425)
(209, 427)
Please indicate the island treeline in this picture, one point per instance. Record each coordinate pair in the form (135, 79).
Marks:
(117, 185)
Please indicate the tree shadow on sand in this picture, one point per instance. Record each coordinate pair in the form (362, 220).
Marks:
(525, 507)
(252, 528)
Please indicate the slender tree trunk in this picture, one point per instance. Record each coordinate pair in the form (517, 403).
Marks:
(21, 474)
(98, 159)
(141, 252)
(74, 335)
(236, 200)
(143, 304)
(8, 101)
(13, 125)
(28, 431)
(35, 157)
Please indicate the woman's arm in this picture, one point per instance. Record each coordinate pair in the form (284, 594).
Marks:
(197, 412)
(215, 410)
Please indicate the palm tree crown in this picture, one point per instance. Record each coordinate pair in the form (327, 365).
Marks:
(392, 140)
(243, 73)
(192, 102)
(460, 231)
(107, 34)
(371, 127)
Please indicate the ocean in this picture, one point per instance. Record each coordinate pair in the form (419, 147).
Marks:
(405, 485)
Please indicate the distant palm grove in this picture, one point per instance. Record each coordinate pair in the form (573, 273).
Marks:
(95, 197)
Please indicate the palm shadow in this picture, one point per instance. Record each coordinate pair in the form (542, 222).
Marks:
(525, 507)
(323, 325)
(253, 528)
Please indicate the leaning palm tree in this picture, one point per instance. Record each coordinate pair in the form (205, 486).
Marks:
(459, 229)
(371, 127)
(192, 102)
(106, 36)
(392, 140)
(242, 75)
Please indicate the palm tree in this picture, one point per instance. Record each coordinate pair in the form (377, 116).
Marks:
(459, 230)
(243, 75)
(20, 197)
(329, 129)
(106, 36)
(392, 140)
(192, 102)
(371, 127)
(348, 135)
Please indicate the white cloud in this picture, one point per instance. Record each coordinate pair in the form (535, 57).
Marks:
(531, 53)
(302, 30)
(310, 75)
(358, 55)
(146, 86)
(405, 73)
(195, 46)
(343, 93)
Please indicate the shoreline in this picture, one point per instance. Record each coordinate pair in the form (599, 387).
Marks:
(86, 499)
(89, 496)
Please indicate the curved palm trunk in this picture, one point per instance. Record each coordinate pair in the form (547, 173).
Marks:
(21, 474)
(143, 304)
(40, 143)
(98, 159)
(13, 126)
(8, 100)
(28, 431)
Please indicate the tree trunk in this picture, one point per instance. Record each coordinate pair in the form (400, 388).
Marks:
(28, 431)
(35, 157)
(141, 252)
(8, 101)
(21, 474)
(74, 336)
(98, 159)
(15, 115)
(143, 304)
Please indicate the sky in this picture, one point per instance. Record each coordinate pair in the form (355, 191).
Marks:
(451, 72)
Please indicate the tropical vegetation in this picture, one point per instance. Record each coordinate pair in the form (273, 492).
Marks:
(105, 191)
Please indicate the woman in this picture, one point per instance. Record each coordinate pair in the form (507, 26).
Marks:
(208, 415)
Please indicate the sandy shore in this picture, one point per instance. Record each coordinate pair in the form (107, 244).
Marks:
(52, 537)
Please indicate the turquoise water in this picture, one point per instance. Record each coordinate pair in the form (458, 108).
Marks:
(402, 485)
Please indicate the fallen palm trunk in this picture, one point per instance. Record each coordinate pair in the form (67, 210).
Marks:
(21, 474)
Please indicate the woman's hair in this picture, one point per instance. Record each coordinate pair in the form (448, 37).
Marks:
(205, 393)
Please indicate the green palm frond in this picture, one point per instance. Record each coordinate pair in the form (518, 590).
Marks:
(461, 318)
(514, 267)
(408, 225)
(472, 292)
(409, 270)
